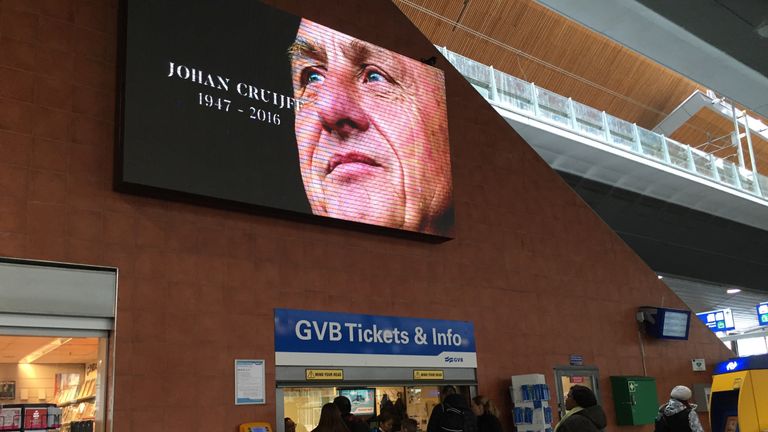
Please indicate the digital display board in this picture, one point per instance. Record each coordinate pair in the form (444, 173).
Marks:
(363, 400)
(762, 314)
(664, 323)
(718, 320)
(675, 324)
(239, 103)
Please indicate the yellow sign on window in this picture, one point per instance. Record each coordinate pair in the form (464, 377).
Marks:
(428, 375)
(324, 374)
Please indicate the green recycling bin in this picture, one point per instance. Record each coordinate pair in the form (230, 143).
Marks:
(635, 399)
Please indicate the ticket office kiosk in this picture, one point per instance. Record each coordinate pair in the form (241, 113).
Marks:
(320, 355)
(739, 401)
(303, 390)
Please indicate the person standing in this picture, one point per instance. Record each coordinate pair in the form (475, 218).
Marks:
(678, 415)
(487, 415)
(353, 423)
(583, 414)
(330, 420)
(433, 425)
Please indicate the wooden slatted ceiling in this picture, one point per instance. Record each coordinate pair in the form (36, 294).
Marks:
(545, 35)
(706, 126)
(650, 90)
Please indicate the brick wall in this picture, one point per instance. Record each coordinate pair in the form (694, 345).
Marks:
(539, 274)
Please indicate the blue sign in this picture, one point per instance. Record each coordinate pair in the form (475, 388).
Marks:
(718, 320)
(742, 363)
(313, 338)
(762, 314)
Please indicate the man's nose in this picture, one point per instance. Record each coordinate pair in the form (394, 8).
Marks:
(340, 110)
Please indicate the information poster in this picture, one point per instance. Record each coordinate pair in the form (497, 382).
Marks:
(249, 382)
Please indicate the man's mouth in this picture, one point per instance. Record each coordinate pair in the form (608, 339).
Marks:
(353, 157)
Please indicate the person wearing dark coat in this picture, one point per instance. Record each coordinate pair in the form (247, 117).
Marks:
(353, 423)
(487, 415)
(435, 418)
(583, 413)
(457, 417)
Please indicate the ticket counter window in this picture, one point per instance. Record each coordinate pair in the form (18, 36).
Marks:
(303, 405)
(420, 402)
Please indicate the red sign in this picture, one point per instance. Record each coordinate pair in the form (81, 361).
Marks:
(577, 380)
(35, 418)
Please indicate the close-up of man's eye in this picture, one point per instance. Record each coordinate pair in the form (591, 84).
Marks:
(311, 76)
(374, 76)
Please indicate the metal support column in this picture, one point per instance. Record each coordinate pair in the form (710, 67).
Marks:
(751, 154)
(735, 138)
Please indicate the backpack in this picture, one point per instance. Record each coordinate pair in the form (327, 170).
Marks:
(457, 420)
(675, 423)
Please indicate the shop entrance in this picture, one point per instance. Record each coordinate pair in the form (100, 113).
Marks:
(55, 326)
(303, 404)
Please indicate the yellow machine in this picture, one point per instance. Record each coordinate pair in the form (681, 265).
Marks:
(739, 401)
(255, 427)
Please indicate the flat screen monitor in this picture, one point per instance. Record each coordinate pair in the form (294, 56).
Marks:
(241, 105)
(363, 400)
(663, 323)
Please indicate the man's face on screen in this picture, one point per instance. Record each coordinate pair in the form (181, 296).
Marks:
(371, 132)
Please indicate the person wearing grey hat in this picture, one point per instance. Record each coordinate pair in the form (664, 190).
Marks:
(678, 415)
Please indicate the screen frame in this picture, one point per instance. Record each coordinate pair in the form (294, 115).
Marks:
(655, 327)
(368, 389)
(122, 186)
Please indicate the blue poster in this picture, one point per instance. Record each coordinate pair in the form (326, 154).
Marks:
(718, 320)
(762, 314)
(313, 338)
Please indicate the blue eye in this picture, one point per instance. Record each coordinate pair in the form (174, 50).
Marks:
(314, 77)
(374, 76)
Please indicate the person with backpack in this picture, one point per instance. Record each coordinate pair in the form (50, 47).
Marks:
(457, 416)
(583, 413)
(437, 412)
(678, 415)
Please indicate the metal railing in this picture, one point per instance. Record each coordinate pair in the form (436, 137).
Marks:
(509, 92)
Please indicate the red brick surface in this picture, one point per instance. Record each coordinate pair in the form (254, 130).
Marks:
(197, 286)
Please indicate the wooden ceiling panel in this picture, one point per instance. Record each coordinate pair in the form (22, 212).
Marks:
(529, 41)
(711, 132)
(533, 29)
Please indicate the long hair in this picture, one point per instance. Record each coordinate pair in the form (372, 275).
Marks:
(330, 420)
(487, 404)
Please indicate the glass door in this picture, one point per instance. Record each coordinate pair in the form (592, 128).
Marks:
(568, 376)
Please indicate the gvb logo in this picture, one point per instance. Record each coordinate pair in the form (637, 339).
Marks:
(449, 359)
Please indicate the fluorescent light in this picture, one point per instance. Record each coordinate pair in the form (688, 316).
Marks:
(733, 291)
(43, 350)
(661, 277)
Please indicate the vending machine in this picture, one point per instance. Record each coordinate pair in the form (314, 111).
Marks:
(739, 401)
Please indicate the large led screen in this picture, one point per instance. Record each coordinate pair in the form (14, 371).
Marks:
(242, 103)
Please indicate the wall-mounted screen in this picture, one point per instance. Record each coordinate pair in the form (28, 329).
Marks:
(238, 103)
(363, 400)
(664, 323)
(762, 314)
(718, 320)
